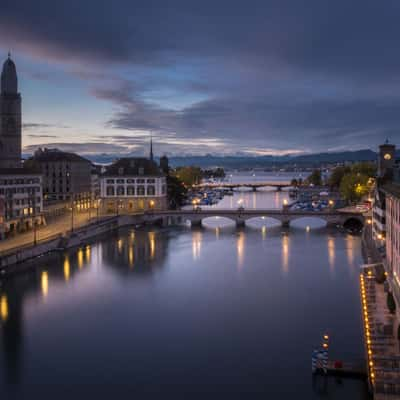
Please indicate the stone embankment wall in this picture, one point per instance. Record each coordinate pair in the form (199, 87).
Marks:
(20, 258)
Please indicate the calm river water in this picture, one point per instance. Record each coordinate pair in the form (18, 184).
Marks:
(213, 310)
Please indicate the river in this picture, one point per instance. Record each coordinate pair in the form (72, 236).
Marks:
(211, 310)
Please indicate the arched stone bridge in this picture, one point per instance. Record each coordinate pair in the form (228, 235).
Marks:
(252, 185)
(332, 217)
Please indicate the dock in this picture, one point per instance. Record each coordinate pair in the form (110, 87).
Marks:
(348, 369)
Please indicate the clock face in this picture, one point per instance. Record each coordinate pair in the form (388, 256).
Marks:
(387, 156)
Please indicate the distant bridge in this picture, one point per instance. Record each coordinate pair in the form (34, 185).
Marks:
(331, 217)
(253, 185)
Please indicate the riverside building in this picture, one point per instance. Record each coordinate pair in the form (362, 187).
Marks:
(392, 193)
(133, 184)
(386, 167)
(21, 200)
(66, 177)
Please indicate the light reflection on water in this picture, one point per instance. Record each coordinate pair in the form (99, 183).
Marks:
(204, 306)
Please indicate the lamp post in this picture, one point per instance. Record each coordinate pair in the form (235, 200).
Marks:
(72, 213)
(33, 203)
(97, 204)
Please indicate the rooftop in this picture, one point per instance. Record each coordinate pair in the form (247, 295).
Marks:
(133, 167)
(19, 171)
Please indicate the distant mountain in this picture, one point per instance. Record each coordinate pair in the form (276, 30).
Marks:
(243, 161)
(305, 160)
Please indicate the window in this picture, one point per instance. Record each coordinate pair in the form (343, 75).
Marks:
(164, 189)
(151, 190)
(120, 171)
(130, 190)
(141, 171)
(140, 181)
(110, 181)
(120, 180)
(120, 191)
(110, 191)
(130, 181)
(140, 190)
(151, 181)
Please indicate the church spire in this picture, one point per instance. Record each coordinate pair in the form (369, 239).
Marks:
(9, 80)
(151, 147)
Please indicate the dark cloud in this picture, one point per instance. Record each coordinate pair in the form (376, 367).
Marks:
(42, 136)
(38, 126)
(340, 36)
(312, 74)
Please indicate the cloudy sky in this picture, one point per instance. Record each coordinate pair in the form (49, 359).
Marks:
(210, 76)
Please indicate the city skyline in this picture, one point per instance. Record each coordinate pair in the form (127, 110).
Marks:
(219, 79)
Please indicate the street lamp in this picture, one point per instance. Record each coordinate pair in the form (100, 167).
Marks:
(72, 213)
(97, 206)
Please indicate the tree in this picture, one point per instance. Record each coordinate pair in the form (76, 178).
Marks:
(176, 191)
(336, 176)
(189, 175)
(364, 168)
(315, 178)
(354, 186)
(391, 304)
(294, 182)
(213, 173)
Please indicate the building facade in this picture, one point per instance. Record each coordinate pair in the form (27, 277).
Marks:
(131, 185)
(21, 200)
(66, 176)
(10, 117)
(386, 167)
(392, 192)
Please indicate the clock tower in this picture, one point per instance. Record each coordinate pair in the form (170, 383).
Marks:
(10, 117)
(386, 160)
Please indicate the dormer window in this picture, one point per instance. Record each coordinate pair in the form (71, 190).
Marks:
(120, 171)
(141, 171)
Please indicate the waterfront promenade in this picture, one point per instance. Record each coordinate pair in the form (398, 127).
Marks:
(380, 327)
(56, 226)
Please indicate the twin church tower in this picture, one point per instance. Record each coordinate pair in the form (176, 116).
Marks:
(10, 117)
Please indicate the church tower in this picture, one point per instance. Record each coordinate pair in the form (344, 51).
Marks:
(10, 117)
(386, 159)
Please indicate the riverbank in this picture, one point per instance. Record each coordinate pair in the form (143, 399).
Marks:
(20, 259)
(380, 325)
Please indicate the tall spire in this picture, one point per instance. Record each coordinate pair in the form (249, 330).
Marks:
(9, 80)
(151, 147)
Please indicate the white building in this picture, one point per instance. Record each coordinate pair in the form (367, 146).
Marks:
(21, 200)
(133, 184)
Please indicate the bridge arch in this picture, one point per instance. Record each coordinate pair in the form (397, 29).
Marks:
(308, 222)
(215, 221)
(353, 224)
(262, 220)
